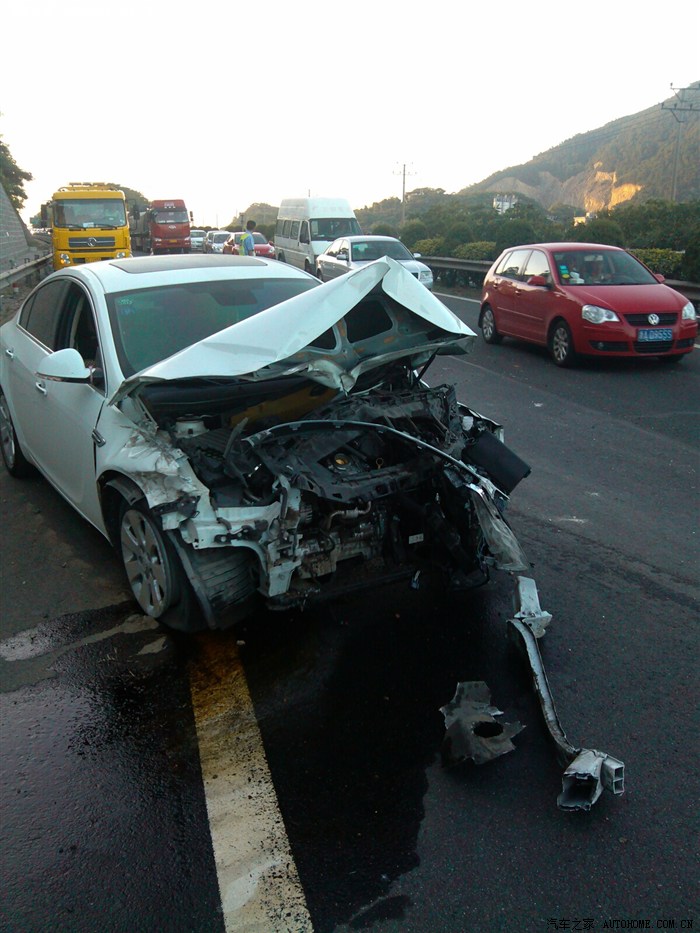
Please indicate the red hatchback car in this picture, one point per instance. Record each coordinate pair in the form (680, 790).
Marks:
(262, 246)
(588, 299)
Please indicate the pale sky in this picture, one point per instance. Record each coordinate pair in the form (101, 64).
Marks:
(226, 104)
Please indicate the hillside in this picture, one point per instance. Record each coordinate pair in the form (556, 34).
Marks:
(632, 157)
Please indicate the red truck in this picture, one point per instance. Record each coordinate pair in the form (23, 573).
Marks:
(164, 227)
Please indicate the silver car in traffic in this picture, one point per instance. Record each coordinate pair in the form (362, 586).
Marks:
(355, 252)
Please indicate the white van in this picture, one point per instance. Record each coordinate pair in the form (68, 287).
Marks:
(305, 227)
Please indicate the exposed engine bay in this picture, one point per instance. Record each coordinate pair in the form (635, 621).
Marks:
(368, 487)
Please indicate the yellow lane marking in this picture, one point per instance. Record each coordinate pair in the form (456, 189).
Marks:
(258, 880)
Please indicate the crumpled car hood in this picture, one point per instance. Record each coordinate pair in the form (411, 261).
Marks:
(276, 342)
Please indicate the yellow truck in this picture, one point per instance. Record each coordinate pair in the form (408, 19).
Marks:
(88, 222)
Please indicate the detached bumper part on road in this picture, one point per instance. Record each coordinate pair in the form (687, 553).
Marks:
(588, 770)
(473, 732)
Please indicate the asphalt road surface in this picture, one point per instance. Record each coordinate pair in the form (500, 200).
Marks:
(287, 776)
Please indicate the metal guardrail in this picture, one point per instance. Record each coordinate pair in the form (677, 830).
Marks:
(34, 269)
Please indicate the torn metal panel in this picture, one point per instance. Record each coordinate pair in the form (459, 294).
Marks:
(281, 339)
(472, 731)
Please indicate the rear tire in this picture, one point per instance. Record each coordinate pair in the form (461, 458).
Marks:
(489, 331)
(561, 344)
(15, 462)
(153, 569)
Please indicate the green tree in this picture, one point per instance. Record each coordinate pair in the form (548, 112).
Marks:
(599, 230)
(514, 232)
(412, 231)
(690, 267)
(12, 177)
(384, 229)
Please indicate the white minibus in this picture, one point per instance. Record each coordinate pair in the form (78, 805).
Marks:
(305, 227)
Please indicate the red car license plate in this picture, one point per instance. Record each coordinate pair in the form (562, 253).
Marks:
(655, 333)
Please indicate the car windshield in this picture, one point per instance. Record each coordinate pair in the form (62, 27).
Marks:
(330, 228)
(600, 267)
(220, 237)
(151, 324)
(197, 233)
(369, 250)
(170, 217)
(89, 212)
(259, 238)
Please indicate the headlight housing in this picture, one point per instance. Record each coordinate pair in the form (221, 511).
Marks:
(426, 276)
(689, 313)
(597, 315)
(122, 254)
(65, 258)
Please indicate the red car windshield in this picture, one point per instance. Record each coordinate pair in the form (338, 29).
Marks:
(600, 267)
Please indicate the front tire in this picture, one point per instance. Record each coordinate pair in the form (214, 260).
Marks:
(154, 571)
(561, 344)
(489, 331)
(15, 462)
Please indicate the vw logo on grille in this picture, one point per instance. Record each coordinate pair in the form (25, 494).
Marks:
(92, 241)
(653, 319)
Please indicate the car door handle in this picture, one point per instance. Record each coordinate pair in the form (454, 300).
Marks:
(40, 387)
(10, 352)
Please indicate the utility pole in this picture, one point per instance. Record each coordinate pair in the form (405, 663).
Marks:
(403, 174)
(680, 109)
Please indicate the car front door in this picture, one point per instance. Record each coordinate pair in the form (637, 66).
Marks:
(341, 263)
(532, 304)
(327, 261)
(502, 290)
(59, 418)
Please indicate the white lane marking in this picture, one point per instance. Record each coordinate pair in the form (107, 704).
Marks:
(258, 880)
(456, 297)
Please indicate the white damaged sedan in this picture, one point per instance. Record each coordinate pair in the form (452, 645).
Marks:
(246, 436)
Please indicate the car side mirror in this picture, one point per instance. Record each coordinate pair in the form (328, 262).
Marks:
(65, 366)
(342, 256)
(659, 277)
(417, 255)
(538, 280)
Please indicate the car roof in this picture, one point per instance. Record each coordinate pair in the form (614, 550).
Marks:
(118, 275)
(359, 237)
(564, 246)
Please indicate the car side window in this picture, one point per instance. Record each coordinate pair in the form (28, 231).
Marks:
(78, 328)
(513, 264)
(41, 314)
(537, 264)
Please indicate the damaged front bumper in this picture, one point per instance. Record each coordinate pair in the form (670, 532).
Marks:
(473, 732)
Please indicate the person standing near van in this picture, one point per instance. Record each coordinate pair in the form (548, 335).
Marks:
(247, 244)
